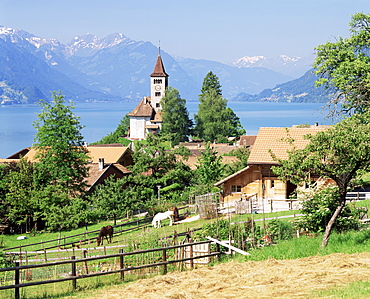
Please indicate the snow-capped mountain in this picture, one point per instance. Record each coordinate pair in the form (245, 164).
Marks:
(20, 37)
(89, 44)
(291, 66)
(114, 67)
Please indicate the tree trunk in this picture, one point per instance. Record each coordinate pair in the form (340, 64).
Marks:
(330, 224)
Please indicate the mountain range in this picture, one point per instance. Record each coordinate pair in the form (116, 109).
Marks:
(117, 68)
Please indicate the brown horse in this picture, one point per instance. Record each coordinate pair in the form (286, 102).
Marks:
(105, 231)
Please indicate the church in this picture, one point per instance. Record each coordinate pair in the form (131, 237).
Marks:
(146, 117)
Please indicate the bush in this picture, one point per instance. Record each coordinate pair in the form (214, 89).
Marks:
(319, 208)
(280, 230)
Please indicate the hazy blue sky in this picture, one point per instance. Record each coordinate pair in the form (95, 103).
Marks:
(203, 29)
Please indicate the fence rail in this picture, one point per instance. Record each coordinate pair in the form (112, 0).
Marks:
(357, 195)
(163, 254)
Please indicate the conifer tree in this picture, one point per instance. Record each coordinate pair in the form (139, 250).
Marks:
(214, 120)
(175, 116)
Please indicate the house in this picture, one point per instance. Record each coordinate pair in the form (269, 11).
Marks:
(257, 179)
(99, 172)
(105, 160)
(146, 117)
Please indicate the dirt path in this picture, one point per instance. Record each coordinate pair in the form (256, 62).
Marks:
(265, 279)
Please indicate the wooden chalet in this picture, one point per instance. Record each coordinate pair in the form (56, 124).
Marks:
(257, 179)
(105, 160)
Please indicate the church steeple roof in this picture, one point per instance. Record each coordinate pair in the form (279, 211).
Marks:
(159, 68)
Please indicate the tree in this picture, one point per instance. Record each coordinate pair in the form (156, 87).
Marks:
(211, 82)
(176, 123)
(110, 200)
(210, 167)
(155, 166)
(20, 183)
(59, 145)
(340, 153)
(318, 207)
(214, 120)
(344, 67)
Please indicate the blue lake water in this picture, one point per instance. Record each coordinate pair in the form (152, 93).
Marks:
(100, 119)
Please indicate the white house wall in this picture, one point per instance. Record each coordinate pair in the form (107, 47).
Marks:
(137, 127)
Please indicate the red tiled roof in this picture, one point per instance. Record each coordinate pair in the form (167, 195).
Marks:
(110, 154)
(144, 108)
(159, 69)
(276, 141)
(95, 173)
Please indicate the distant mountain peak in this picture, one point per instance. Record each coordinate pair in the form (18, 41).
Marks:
(248, 61)
(6, 30)
(19, 36)
(87, 44)
(291, 66)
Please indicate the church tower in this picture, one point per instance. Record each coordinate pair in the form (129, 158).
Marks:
(158, 83)
(147, 116)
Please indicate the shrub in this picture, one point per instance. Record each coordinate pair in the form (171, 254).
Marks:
(280, 230)
(319, 208)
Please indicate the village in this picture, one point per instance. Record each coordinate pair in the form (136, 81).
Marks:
(169, 198)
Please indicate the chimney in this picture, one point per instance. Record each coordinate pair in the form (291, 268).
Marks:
(316, 124)
(101, 164)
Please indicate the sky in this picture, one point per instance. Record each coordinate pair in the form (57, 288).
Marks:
(201, 29)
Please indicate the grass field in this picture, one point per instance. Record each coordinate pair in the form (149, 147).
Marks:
(296, 248)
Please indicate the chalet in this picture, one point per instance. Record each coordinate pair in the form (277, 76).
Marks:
(257, 179)
(146, 117)
(105, 161)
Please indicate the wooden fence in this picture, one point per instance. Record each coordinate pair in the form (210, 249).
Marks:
(163, 257)
(64, 241)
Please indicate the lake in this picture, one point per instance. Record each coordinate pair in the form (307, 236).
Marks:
(100, 119)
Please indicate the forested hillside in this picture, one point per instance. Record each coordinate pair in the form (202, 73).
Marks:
(301, 90)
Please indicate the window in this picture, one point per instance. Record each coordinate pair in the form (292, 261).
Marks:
(157, 81)
(235, 188)
(272, 184)
(157, 105)
(157, 94)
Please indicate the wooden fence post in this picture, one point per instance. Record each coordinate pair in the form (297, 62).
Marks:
(74, 281)
(164, 259)
(191, 254)
(86, 267)
(122, 273)
(16, 281)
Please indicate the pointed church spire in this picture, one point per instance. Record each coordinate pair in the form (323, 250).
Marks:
(159, 68)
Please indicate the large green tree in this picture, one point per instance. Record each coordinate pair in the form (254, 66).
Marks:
(59, 145)
(340, 153)
(214, 120)
(344, 67)
(110, 200)
(176, 122)
(155, 166)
